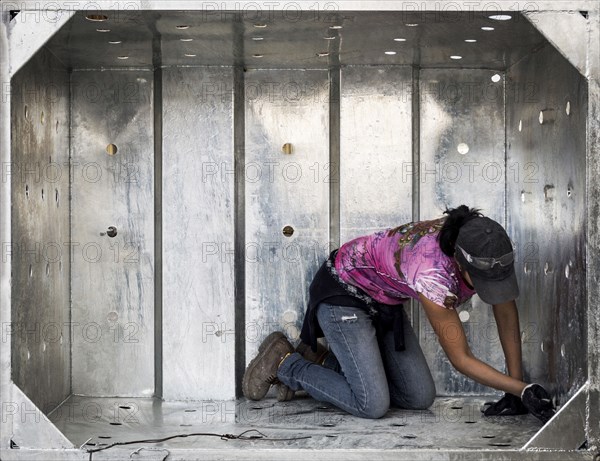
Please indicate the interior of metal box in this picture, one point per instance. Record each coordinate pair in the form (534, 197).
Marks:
(162, 229)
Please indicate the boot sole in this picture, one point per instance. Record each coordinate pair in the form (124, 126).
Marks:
(267, 342)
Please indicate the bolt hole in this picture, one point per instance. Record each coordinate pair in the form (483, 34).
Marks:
(91, 444)
(116, 424)
(464, 316)
(42, 194)
(500, 444)
(111, 149)
(456, 407)
(470, 422)
(569, 191)
(488, 436)
(104, 437)
(398, 424)
(409, 436)
(125, 407)
(56, 196)
(328, 425)
(463, 148)
(288, 231)
(26, 190)
(331, 436)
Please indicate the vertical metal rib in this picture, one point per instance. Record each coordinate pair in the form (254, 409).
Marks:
(416, 176)
(158, 306)
(239, 128)
(334, 154)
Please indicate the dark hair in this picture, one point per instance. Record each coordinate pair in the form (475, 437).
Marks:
(457, 217)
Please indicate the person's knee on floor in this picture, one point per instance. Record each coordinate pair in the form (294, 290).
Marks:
(374, 409)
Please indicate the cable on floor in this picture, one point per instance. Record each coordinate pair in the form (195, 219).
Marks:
(242, 436)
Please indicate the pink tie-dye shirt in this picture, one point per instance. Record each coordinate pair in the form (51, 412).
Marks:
(396, 264)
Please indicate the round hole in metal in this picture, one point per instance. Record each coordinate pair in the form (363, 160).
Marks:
(330, 436)
(500, 444)
(56, 196)
(104, 437)
(116, 424)
(26, 190)
(464, 317)
(96, 17)
(398, 424)
(189, 411)
(488, 436)
(456, 407)
(328, 425)
(470, 422)
(42, 194)
(125, 407)
(111, 149)
(91, 444)
(288, 231)
(496, 78)
(409, 436)
(463, 148)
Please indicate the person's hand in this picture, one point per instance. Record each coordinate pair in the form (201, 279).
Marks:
(506, 406)
(539, 403)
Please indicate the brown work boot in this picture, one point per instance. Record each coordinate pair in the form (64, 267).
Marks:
(262, 370)
(317, 357)
(284, 393)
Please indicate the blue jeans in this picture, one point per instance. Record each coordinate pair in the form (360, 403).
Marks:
(369, 375)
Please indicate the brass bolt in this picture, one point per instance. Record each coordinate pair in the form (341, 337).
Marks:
(288, 231)
(287, 148)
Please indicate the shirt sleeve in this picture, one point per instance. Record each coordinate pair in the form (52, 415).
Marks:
(436, 285)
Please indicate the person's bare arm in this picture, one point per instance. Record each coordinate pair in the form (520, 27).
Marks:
(507, 320)
(450, 332)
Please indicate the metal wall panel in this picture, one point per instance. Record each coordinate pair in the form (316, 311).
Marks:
(38, 252)
(198, 238)
(113, 281)
(460, 110)
(375, 149)
(284, 106)
(546, 215)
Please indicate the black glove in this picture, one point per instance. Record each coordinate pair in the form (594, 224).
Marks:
(537, 400)
(506, 406)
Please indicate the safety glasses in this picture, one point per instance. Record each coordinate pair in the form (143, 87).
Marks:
(488, 263)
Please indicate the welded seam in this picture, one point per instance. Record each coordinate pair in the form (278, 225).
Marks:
(239, 225)
(416, 176)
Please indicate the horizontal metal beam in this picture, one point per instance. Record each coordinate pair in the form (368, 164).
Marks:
(325, 6)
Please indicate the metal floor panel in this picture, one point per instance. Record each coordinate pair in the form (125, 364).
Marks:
(451, 423)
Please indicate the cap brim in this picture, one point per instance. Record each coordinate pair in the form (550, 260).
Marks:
(496, 291)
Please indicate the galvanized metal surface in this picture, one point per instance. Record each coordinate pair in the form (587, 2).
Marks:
(198, 234)
(462, 161)
(295, 36)
(593, 236)
(284, 190)
(113, 280)
(546, 215)
(451, 423)
(38, 251)
(375, 154)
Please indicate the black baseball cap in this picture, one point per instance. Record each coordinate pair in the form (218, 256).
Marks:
(484, 250)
